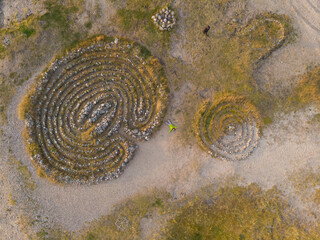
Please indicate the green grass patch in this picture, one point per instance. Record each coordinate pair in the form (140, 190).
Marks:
(12, 200)
(52, 234)
(267, 120)
(88, 25)
(60, 16)
(27, 31)
(57, 15)
(134, 17)
(316, 118)
(17, 32)
(145, 52)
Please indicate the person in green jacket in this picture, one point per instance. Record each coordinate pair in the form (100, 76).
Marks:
(171, 126)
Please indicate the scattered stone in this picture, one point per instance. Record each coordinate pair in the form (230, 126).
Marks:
(6, 42)
(29, 12)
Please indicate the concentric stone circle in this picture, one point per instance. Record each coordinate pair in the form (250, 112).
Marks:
(228, 127)
(89, 108)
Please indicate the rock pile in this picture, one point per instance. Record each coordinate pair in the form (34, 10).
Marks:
(165, 19)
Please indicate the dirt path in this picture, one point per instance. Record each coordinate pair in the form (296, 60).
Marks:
(9, 214)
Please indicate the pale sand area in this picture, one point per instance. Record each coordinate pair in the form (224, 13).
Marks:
(287, 145)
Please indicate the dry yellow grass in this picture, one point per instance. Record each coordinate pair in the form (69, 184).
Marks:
(229, 212)
(308, 90)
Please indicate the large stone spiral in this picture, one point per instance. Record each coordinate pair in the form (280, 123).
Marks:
(228, 127)
(90, 105)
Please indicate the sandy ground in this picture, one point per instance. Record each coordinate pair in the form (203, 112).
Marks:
(9, 227)
(278, 72)
(289, 144)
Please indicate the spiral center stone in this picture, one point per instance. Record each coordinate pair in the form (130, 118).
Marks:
(231, 129)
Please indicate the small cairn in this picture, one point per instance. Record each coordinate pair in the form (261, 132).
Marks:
(165, 19)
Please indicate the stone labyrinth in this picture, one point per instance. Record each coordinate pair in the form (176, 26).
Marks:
(86, 111)
(228, 127)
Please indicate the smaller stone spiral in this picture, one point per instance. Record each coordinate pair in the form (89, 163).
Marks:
(228, 127)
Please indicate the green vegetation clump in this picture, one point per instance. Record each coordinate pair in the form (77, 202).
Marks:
(135, 16)
(267, 120)
(57, 16)
(88, 25)
(27, 31)
(52, 234)
(60, 17)
(6, 90)
(119, 85)
(2, 49)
